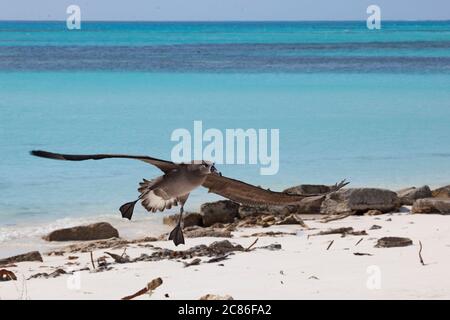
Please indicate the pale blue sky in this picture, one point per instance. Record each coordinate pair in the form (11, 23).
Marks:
(213, 10)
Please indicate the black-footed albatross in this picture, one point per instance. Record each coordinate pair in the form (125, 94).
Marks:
(179, 179)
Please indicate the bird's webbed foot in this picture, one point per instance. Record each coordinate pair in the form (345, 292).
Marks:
(127, 209)
(177, 235)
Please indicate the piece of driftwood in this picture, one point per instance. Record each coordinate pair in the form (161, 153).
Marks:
(357, 233)
(362, 254)
(334, 231)
(250, 246)
(270, 234)
(342, 231)
(118, 259)
(92, 260)
(337, 217)
(331, 243)
(420, 253)
(152, 285)
(271, 247)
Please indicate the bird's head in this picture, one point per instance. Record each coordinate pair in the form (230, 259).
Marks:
(206, 167)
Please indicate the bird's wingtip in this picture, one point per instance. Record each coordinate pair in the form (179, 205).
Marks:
(46, 154)
(39, 153)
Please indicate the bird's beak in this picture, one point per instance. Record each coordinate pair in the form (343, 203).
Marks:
(214, 170)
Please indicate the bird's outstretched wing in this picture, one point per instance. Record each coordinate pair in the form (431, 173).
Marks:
(248, 194)
(163, 165)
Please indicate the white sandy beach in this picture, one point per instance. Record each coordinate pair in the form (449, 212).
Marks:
(302, 269)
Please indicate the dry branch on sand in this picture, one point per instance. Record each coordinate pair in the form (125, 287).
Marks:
(250, 246)
(342, 231)
(420, 253)
(152, 285)
(337, 217)
(331, 243)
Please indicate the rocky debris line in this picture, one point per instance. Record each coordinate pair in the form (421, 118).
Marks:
(216, 251)
(391, 242)
(30, 256)
(217, 248)
(223, 230)
(210, 296)
(218, 230)
(267, 220)
(360, 200)
(443, 192)
(308, 205)
(189, 219)
(270, 234)
(409, 195)
(431, 205)
(95, 231)
(369, 201)
(223, 211)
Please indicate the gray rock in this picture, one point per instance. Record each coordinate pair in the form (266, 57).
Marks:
(207, 232)
(308, 205)
(246, 211)
(409, 195)
(360, 200)
(432, 205)
(223, 211)
(443, 192)
(95, 231)
(308, 189)
(189, 219)
(292, 219)
(391, 242)
(30, 256)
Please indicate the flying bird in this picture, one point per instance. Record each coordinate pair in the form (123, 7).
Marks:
(179, 179)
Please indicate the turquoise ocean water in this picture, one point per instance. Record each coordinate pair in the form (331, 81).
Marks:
(369, 106)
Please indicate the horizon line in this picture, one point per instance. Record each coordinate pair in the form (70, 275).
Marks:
(228, 21)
